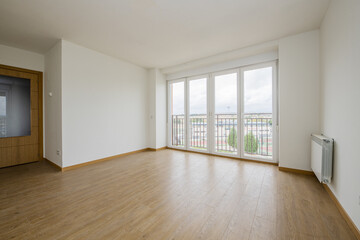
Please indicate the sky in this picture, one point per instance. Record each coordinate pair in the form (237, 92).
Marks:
(225, 93)
(178, 98)
(197, 96)
(258, 90)
(257, 93)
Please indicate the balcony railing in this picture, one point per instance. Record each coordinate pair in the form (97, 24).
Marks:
(198, 131)
(257, 133)
(2, 126)
(226, 133)
(178, 130)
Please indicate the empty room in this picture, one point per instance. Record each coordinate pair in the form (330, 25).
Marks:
(191, 119)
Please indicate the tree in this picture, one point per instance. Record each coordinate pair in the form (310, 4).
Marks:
(251, 143)
(232, 138)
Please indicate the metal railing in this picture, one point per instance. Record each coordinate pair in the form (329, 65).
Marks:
(257, 133)
(2, 126)
(226, 133)
(198, 131)
(178, 130)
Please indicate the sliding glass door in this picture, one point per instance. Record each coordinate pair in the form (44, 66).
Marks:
(229, 113)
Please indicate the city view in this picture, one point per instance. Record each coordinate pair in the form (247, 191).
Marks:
(257, 133)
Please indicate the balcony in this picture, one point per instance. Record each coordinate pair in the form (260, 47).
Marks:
(257, 129)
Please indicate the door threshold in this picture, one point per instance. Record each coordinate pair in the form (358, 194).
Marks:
(232, 157)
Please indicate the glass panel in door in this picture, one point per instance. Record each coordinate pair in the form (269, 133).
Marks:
(198, 114)
(3, 114)
(225, 114)
(258, 113)
(177, 114)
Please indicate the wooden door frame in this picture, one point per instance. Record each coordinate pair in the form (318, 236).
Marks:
(40, 86)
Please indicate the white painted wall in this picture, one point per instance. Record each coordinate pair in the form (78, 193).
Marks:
(104, 105)
(160, 110)
(216, 62)
(52, 105)
(20, 58)
(340, 88)
(157, 109)
(152, 107)
(299, 101)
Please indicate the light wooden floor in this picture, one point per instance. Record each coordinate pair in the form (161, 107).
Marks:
(165, 195)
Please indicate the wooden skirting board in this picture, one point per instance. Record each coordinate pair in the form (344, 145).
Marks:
(53, 164)
(293, 170)
(343, 212)
(150, 149)
(157, 149)
(63, 169)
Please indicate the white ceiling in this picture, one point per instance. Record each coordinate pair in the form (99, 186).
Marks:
(155, 33)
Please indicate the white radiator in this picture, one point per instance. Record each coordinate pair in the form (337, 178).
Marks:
(322, 157)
